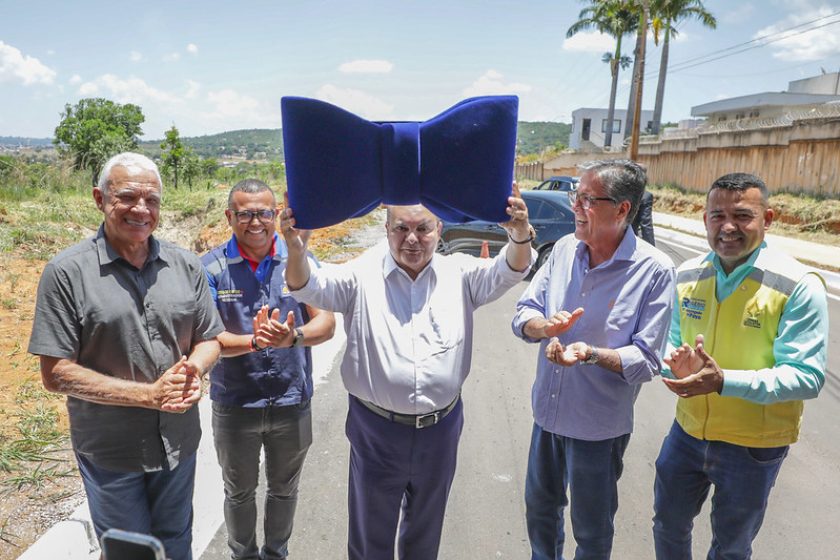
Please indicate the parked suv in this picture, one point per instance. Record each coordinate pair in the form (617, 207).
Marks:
(558, 183)
(548, 211)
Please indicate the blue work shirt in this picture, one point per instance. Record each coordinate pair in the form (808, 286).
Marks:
(270, 377)
(800, 345)
(627, 304)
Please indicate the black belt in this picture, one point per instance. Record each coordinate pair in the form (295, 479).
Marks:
(419, 421)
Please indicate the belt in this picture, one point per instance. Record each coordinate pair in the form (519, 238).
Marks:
(419, 421)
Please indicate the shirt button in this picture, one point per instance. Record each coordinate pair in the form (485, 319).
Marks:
(553, 395)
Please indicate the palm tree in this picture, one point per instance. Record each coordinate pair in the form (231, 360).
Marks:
(614, 63)
(615, 19)
(666, 14)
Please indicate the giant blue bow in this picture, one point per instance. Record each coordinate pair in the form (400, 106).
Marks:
(459, 164)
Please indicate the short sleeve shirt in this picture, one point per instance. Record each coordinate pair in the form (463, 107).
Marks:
(96, 309)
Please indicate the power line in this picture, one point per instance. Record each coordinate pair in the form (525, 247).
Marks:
(769, 35)
(672, 69)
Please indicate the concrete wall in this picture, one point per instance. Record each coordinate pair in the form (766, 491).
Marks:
(803, 156)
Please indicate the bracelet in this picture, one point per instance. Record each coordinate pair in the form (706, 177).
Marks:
(254, 346)
(531, 237)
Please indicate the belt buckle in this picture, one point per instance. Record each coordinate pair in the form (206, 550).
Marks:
(421, 422)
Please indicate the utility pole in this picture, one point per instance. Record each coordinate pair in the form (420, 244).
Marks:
(638, 78)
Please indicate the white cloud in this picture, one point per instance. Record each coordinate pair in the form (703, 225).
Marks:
(227, 109)
(88, 88)
(356, 101)
(366, 67)
(74, 79)
(126, 90)
(493, 83)
(192, 48)
(589, 41)
(135, 56)
(193, 88)
(17, 67)
(171, 57)
(51, 52)
(720, 96)
(741, 11)
(812, 45)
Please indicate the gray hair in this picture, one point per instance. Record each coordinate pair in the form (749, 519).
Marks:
(130, 160)
(741, 182)
(249, 186)
(623, 179)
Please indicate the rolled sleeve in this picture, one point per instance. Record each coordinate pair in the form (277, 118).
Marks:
(330, 287)
(488, 280)
(531, 304)
(641, 360)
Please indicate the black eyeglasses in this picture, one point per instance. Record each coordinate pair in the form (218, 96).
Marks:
(245, 216)
(586, 200)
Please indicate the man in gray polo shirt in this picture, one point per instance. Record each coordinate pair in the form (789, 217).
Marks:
(125, 327)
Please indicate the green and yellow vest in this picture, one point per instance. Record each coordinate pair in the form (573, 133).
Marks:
(739, 333)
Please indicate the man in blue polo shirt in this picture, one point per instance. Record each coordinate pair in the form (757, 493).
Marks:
(262, 386)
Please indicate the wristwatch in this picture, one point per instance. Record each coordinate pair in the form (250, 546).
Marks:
(254, 346)
(298, 341)
(593, 356)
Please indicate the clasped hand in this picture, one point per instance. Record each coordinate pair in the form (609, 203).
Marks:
(179, 388)
(697, 373)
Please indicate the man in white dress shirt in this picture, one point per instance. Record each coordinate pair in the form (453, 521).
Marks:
(408, 314)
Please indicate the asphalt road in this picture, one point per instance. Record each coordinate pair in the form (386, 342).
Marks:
(485, 517)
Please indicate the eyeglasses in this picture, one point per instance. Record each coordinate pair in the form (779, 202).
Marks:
(245, 216)
(586, 200)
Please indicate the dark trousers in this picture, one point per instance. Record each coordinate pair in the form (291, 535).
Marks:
(284, 434)
(399, 475)
(590, 471)
(157, 503)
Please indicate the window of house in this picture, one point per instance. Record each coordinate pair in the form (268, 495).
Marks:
(616, 126)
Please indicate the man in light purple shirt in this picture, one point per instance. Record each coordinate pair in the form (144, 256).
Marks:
(408, 314)
(593, 359)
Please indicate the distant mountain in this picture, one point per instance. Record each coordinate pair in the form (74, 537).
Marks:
(267, 143)
(24, 141)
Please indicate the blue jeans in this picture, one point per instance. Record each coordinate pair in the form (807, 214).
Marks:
(284, 433)
(590, 470)
(685, 470)
(157, 503)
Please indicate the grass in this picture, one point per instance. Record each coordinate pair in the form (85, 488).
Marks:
(28, 457)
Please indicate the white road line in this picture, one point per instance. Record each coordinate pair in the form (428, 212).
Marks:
(683, 247)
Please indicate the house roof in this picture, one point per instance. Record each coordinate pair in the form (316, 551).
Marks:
(766, 99)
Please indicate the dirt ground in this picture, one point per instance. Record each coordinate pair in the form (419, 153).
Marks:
(39, 488)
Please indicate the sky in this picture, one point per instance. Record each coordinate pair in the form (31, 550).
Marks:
(212, 66)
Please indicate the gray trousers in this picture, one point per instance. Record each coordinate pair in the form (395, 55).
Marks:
(239, 433)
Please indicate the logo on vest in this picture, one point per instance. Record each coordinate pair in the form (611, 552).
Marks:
(693, 308)
(751, 315)
(229, 295)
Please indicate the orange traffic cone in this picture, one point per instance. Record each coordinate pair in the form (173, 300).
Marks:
(485, 250)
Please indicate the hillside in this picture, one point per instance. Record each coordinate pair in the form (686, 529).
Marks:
(267, 143)
(263, 143)
(534, 137)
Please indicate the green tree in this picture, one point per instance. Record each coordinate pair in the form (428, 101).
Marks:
(191, 165)
(666, 15)
(615, 18)
(95, 129)
(173, 153)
